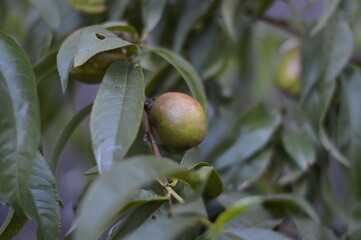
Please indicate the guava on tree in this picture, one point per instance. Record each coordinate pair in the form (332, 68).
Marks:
(289, 71)
(179, 120)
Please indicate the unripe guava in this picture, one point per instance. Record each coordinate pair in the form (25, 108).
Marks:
(94, 69)
(179, 119)
(289, 71)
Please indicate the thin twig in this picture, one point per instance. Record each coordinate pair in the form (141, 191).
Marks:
(284, 25)
(150, 134)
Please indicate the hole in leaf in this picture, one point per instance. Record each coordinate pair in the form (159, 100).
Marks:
(99, 36)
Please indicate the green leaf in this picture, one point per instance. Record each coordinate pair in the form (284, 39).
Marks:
(309, 230)
(249, 170)
(256, 234)
(49, 12)
(51, 97)
(229, 11)
(235, 209)
(300, 147)
(243, 204)
(107, 194)
(117, 113)
(96, 39)
(12, 225)
(91, 7)
(164, 228)
(186, 71)
(65, 134)
(214, 185)
(256, 129)
(349, 137)
(45, 66)
(329, 9)
(43, 190)
(334, 43)
(117, 9)
(218, 131)
(191, 158)
(83, 44)
(142, 196)
(120, 27)
(65, 57)
(254, 217)
(134, 220)
(152, 11)
(194, 208)
(194, 10)
(19, 123)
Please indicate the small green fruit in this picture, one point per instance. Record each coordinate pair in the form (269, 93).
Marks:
(94, 69)
(179, 119)
(289, 71)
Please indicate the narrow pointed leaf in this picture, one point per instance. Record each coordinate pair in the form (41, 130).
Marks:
(152, 11)
(257, 234)
(43, 190)
(329, 9)
(300, 147)
(65, 135)
(164, 228)
(12, 225)
(49, 12)
(243, 204)
(19, 123)
(91, 7)
(192, 13)
(349, 124)
(117, 113)
(65, 57)
(335, 44)
(45, 66)
(229, 12)
(256, 129)
(191, 158)
(117, 9)
(309, 230)
(134, 220)
(189, 74)
(250, 170)
(103, 199)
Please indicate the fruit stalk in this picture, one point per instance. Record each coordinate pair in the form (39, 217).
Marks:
(150, 134)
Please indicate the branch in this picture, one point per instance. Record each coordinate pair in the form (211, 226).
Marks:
(284, 25)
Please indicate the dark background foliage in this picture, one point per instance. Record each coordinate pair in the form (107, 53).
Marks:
(272, 166)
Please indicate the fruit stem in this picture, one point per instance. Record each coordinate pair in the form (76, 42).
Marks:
(149, 132)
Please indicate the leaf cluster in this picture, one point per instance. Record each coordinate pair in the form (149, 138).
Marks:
(272, 166)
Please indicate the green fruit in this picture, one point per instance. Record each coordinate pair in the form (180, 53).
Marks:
(179, 119)
(94, 69)
(289, 71)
